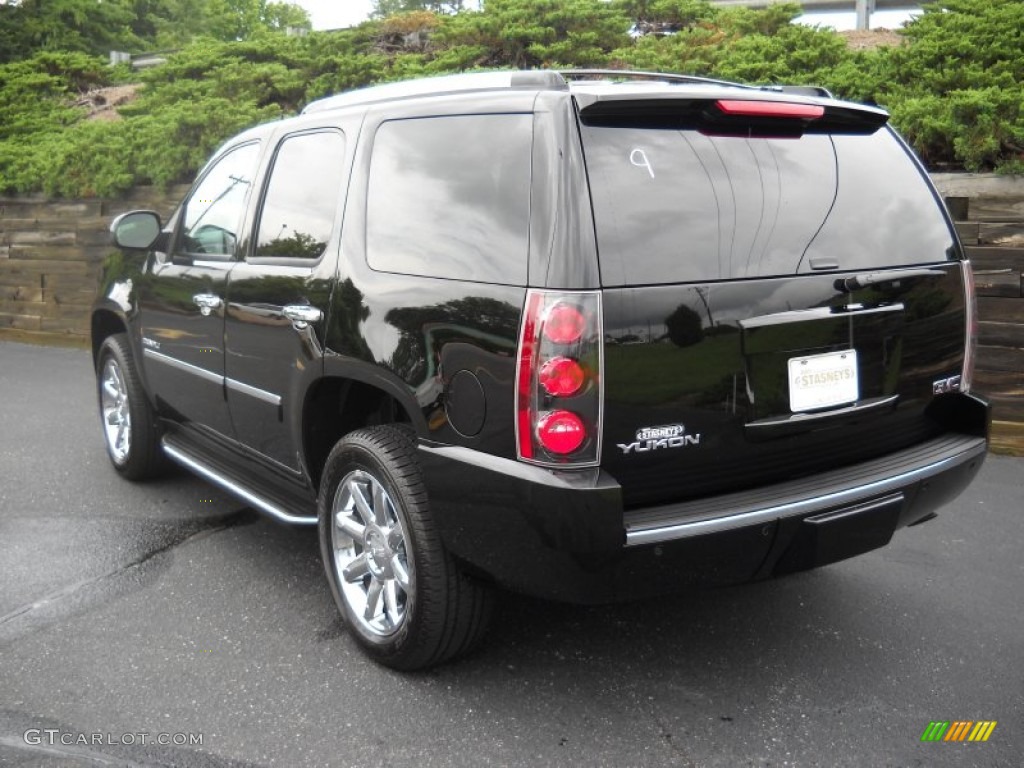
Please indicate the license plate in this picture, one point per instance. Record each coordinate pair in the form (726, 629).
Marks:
(821, 381)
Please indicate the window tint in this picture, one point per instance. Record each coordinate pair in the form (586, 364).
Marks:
(450, 197)
(884, 212)
(677, 206)
(213, 213)
(302, 197)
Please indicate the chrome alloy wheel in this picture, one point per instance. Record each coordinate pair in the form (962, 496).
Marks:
(116, 410)
(370, 554)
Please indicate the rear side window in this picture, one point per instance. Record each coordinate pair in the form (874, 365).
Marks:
(305, 187)
(677, 205)
(450, 197)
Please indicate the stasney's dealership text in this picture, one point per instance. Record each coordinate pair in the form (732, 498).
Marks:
(823, 377)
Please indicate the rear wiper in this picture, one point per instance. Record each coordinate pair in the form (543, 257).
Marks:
(863, 280)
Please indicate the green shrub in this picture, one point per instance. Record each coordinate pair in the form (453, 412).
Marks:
(955, 88)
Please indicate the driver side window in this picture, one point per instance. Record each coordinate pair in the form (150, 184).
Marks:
(214, 213)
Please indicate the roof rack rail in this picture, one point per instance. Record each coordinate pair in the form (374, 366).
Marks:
(435, 86)
(630, 74)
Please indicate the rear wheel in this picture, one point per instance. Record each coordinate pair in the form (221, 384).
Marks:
(129, 425)
(399, 591)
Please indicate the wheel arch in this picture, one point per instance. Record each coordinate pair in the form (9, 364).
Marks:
(104, 322)
(338, 404)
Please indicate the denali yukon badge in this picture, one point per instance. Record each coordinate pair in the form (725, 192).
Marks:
(653, 438)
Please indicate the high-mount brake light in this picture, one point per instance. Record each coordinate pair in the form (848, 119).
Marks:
(564, 324)
(561, 432)
(561, 376)
(783, 109)
(558, 380)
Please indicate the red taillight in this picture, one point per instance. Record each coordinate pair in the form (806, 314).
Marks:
(782, 109)
(564, 324)
(561, 376)
(558, 382)
(561, 432)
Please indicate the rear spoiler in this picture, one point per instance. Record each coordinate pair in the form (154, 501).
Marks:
(731, 113)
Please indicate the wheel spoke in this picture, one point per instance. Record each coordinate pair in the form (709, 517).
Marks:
(391, 601)
(110, 389)
(396, 536)
(351, 527)
(380, 505)
(355, 570)
(372, 599)
(362, 507)
(401, 573)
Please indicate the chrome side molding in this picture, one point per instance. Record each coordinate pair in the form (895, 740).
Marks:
(181, 365)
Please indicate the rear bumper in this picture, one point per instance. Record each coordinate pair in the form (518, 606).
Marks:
(566, 536)
(926, 468)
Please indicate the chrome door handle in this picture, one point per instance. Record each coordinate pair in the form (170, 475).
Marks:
(302, 315)
(207, 302)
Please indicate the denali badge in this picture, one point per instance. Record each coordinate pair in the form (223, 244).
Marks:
(653, 438)
(942, 386)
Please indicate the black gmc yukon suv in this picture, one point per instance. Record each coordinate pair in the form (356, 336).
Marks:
(588, 339)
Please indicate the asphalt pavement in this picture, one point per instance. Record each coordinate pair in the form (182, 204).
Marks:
(166, 623)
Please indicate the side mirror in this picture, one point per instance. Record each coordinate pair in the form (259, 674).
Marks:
(137, 230)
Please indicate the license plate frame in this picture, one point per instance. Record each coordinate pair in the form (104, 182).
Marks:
(823, 381)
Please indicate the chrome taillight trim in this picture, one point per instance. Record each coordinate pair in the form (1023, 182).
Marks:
(971, 329)
(547, 299)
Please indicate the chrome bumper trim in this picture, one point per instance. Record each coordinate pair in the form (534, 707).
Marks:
(855, 493)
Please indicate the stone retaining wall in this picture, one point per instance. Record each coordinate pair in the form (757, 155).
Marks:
(992, 229)
(51, 252)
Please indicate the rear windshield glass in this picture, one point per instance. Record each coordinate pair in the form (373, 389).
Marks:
(677, 205)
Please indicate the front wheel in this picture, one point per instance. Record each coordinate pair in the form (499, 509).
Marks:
(399, 591)
(129, 426)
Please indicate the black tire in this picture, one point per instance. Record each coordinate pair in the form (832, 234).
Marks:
(126, 411)
(439, 613)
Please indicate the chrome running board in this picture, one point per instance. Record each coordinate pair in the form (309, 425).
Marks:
(208, 473)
